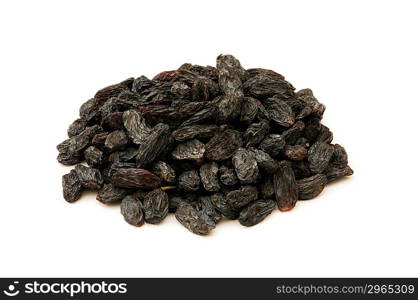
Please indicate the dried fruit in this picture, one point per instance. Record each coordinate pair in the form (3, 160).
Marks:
(245, 166)
(207, 208)
(195, 131)
(311, 187)
(195, 221)
(165, 171)
(204, 89)
(180, 90)
(116, 140)
(136, 126)
(255, 133)
(189, 181)
(227, 176)
(228, 108)
(272, 144)
(205, 115)
(336, 171)
(241, 197)
(193, 149)
(340, 155)
(231, 75)
(256, 212)
(111, 194)
(113, 90)
(76, 127)
(312, 105)
(113, 121)
(325, 135)
(319, 155)
(89, 111)
(126, 155)
(264, 85)
(285, 187)
(155, 206)
(220, 202)
(292, 134)
(71, 186)
(132, 210)
(204, 143)
(280, 112)
(209, 176)
(264, 161)
(296, 152)
(90, 178)
(135, 178)
(267, 189)
(154, 145)
(249, 110)
(223, 145)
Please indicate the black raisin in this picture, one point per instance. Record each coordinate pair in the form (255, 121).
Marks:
(285, 187)
(256, 212)
(155, 206)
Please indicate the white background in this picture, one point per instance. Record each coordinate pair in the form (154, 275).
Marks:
(359, 57)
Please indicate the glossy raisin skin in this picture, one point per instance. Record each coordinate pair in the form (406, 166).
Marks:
(206, 143)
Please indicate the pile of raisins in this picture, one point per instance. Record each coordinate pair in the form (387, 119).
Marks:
(204, 143)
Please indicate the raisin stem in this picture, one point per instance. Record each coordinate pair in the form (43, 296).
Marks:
(166, 188)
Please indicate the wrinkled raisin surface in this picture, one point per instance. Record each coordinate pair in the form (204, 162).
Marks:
(202, 142)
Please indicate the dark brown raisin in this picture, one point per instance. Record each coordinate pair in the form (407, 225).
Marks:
(71, 186)
(209, 176)
(195, 221)
(111, 194)
(311, 187)
(195, 131)
(94, 157)
(155, 206)
(241, 197)
(189, 181)
(154, 145)
(285, 187)
(116, 140)
(223, 145)
(165, 171)
(272, 144)
(245, 166)
(132, 211)
(296, 152)
(256, 212)
(193, 150)
(319, 155)
(135, 178)
(280, 112)
(90, 178)
(136, 126)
